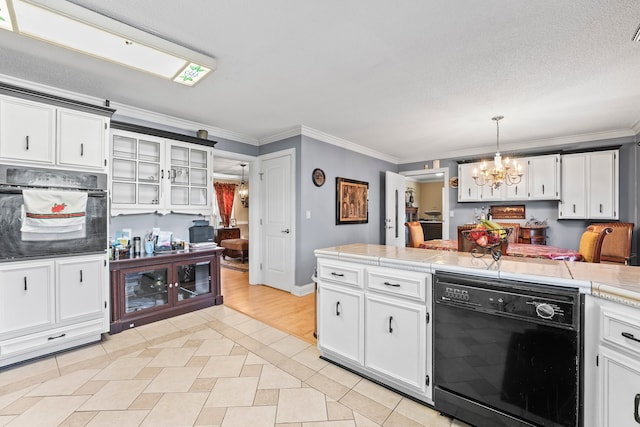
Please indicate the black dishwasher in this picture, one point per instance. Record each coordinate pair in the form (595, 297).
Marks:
(507, 353)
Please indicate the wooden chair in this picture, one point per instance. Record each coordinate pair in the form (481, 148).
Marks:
(591, 242)
(616, 247)
(416, 233)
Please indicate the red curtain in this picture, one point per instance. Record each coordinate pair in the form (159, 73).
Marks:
(224, 196)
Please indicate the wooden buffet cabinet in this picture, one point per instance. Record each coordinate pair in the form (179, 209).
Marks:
(533, 235)
(149, 288)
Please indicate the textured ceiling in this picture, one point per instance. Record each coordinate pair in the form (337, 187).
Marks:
(414, 80)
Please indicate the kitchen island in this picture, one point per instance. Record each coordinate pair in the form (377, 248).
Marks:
(360, 282)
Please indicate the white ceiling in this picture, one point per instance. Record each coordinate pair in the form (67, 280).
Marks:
(413, 79)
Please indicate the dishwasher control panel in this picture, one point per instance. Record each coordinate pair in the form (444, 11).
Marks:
(511, 299)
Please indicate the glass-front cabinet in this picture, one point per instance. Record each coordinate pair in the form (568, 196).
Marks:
(151, 174)
(154, 287)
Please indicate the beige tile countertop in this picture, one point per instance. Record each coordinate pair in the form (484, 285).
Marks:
(619, 283)
(611, 281)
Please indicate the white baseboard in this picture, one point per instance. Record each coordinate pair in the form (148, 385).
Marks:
(303, 290)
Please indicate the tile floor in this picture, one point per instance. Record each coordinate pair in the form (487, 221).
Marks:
(213, 367)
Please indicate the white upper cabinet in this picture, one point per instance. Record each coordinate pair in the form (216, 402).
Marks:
(37, 133)
(152, 174)
(27, 131)
(468, 190)
(590, 185)
(81, 139)
(544, 177)
(540, 181)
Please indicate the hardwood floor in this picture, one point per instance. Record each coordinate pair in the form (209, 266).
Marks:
(282, 310)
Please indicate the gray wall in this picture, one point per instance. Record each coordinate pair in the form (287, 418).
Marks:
(320, 230)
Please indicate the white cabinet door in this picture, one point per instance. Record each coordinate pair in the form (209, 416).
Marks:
(188, 178)
(603, 185)
(620, 390)
(488, 193)
(590, 186)
(574, 187)
(396, 340)
(544, 177)
(26, 297)
(137, 173)
(81, 139)
(27, 131)
(80, 288)
(341, 322)
(468, 190)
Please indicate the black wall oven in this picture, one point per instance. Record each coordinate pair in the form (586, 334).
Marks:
(507, 353)
(15, 179)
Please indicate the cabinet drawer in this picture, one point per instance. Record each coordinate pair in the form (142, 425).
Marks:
(52, 339)
(621, 330)
(396, 282)
(341, 272)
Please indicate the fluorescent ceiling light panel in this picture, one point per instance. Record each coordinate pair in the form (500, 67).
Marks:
(5, 16)
(80, 29)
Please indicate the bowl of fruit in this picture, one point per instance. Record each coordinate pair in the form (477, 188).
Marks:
(488, 237)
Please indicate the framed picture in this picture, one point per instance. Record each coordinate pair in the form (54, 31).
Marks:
(508, 212)
(352, 201)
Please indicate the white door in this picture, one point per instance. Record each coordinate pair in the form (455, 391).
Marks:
(394, 207)
(277, 220)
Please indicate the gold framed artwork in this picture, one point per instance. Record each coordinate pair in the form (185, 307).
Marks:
(508, 212)
(352, 201)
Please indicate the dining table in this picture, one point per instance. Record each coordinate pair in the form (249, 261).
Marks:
(514, 249)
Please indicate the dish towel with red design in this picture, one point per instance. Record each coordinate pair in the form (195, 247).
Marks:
(53, 211)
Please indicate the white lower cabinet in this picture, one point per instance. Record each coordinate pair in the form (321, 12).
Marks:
(619, 365)
(374, 320)
(51, 305)
(340, 322)
(620, 390)
(395, 340)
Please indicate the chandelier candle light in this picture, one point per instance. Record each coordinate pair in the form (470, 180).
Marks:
(507, 172)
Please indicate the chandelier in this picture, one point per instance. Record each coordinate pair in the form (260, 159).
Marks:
(243, 192)
(501, 172)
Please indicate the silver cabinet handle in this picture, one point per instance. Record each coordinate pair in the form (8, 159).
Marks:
(338, 308)
(390, 328)
(287, 231)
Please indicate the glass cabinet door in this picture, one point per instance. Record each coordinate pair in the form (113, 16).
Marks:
(145, 289)
(194, 279)
(188, 175)
(136, 170)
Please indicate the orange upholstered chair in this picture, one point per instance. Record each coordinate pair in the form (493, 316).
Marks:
(591, 242)
(416, 233)
(616, 247)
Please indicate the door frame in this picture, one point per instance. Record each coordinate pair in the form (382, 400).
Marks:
(252, 162)
(256, 215)
(445, 193)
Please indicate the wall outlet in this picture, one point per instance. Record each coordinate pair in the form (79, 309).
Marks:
(451, 212)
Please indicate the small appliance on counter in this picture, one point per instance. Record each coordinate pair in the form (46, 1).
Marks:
(200, 231)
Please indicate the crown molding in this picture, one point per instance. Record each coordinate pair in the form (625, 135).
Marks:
(303, 130)
(124, 111)
(636, 127)
(127, 111)
(527, 146)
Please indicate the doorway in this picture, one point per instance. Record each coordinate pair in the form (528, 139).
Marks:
(431, 197)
